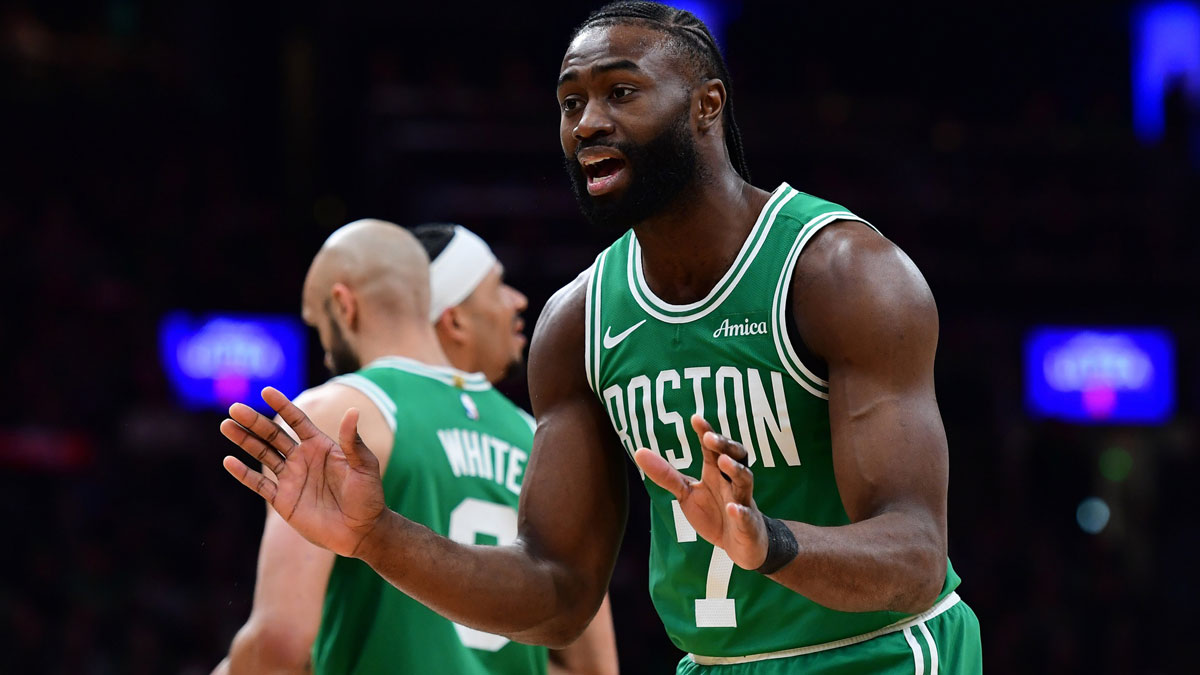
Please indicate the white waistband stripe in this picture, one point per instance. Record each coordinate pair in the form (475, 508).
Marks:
(918, 657)
(944, 604)
(933, 655)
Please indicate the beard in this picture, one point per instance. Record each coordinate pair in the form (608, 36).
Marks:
(342, 358)
(661, 170)
(514, 366)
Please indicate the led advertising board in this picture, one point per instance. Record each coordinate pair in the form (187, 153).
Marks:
(214, 360)
(1100, 375)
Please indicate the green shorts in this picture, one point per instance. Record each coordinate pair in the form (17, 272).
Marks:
(947, 644)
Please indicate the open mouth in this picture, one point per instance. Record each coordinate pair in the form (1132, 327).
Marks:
(602, 173)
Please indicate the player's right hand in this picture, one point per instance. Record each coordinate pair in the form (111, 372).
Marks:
(331, 492)
(720, 506)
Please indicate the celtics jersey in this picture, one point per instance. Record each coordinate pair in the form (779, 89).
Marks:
(457, 463)
(729, 358)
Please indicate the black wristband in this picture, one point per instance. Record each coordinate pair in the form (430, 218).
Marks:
(781, 546)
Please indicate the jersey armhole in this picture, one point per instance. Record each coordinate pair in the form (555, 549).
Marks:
(528, 419)
(591, 323)
(373, 392)
(802, 374)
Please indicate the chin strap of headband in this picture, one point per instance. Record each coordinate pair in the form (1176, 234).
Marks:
(457, 271)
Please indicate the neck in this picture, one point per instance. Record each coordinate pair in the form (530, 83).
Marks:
(461, 357)
(687, 248)
(414, 340)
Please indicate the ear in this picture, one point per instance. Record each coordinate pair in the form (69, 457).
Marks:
(710, 104)
(451, 325)
(345, 305)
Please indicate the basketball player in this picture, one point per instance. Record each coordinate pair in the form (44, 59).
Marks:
(798, 522)
(367, 294)
(477, 317)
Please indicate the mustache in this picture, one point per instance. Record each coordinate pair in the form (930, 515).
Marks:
(599, 143)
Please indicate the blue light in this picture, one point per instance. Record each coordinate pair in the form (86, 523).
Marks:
(1100, 376)
(714, 13)
(215, 360)
(1092, 514)
(1166, 51)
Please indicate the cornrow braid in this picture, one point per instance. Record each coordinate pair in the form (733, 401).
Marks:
(695, 40)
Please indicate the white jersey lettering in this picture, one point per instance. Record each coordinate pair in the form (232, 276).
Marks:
(684, 459)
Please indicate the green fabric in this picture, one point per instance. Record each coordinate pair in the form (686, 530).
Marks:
(727, 357)
(456, 466)
(955, 644)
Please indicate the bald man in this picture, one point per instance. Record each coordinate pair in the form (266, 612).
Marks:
(453, 453)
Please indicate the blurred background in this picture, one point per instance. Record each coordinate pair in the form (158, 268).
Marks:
(168, 163)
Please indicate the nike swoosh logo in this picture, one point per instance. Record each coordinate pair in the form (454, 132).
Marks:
(611, 341)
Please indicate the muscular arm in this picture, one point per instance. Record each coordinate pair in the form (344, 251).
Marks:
(863, 306)
(594, 653)
(545, 588)
(289, 590)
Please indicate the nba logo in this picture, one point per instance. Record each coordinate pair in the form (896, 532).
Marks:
(469, 407)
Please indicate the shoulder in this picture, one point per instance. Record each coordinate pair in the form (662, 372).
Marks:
(556, 360)
(803, 209)
(568, 302)
(327, 404)
(852, 285)
(325, 398)
(562, 319)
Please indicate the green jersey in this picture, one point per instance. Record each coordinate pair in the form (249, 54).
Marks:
(729, 358)
(457, 463)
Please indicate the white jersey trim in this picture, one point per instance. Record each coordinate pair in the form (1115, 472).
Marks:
(387, 407)
(591, 322)
(527, 417)
(942, 605)
(588, 330)
(444, 374)
(640, 289)
(783, 343)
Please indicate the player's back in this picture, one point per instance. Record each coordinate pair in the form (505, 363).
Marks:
(457, 463)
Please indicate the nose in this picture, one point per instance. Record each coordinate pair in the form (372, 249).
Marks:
(518, 299)
(593, 122)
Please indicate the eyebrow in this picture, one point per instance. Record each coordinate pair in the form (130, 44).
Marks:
(572, 75)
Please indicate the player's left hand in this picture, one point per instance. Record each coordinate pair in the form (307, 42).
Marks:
(720, 506)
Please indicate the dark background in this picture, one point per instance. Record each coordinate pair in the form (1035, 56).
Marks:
(194, 154)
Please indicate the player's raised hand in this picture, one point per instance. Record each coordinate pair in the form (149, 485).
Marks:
(720, 506)
(331, 492)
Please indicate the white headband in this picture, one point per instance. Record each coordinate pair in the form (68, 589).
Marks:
(457, 270)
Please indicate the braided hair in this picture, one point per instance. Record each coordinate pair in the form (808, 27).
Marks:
(693, 39)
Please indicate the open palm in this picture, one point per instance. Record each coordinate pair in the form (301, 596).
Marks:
(330, 492)
(720, 506)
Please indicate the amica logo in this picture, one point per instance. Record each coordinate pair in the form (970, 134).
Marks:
(740, 329)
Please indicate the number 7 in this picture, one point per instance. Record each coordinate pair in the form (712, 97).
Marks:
(715, 609)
